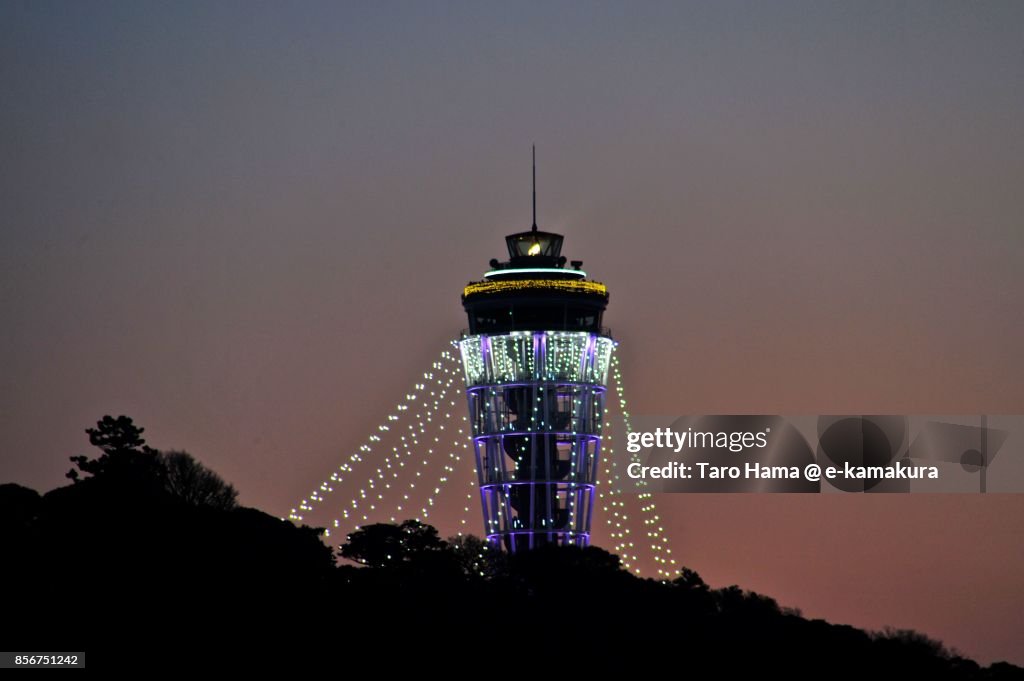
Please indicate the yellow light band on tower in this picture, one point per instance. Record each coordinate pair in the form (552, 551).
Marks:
(566, 285)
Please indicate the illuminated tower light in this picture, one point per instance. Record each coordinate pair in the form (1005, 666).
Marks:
(535, 361)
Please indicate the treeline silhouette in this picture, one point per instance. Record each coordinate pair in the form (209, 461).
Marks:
(146, 556)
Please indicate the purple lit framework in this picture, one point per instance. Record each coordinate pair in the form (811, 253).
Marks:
(536, 404)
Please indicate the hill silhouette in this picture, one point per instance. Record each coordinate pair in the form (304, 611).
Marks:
(146, 557)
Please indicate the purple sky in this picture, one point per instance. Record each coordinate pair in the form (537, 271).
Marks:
(247, 226)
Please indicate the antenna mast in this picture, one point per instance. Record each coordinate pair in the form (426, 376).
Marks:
(535, 188)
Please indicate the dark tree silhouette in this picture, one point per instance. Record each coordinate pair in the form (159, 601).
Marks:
(908, 639)
(193, 483)
(116, 435)
(690, 580)
(125, 454)
(127, 460)
(385, 544)
(476, 557)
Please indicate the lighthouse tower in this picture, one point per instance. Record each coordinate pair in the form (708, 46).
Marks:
(536, 364)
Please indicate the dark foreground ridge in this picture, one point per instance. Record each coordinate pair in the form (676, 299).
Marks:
(146, 559)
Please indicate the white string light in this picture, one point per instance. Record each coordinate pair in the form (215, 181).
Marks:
(379, 484)
(326, 487)
(445, 374)
(660, 551)
(610, 504)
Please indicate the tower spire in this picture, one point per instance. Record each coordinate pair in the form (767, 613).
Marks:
(534, 187)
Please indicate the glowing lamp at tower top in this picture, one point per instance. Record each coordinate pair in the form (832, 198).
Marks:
(534, 290)
(536, 361)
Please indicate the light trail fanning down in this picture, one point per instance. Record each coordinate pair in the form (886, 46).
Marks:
(425, 444)
(660, 552)
(326, 488)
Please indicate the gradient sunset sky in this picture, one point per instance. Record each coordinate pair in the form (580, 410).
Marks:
(247, 225)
